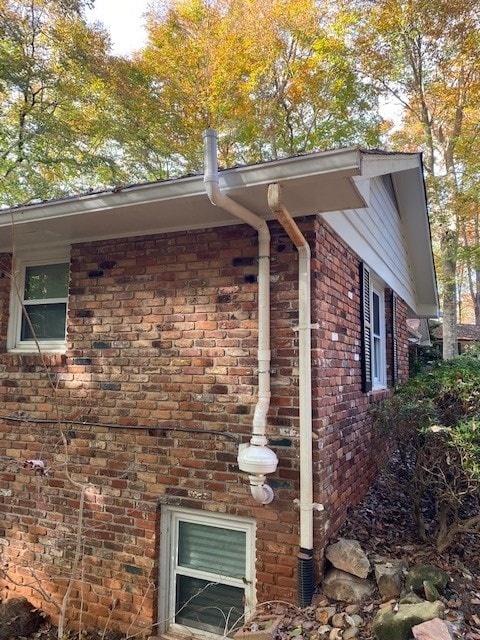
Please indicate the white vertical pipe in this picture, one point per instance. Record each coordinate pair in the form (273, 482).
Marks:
(304, 364)
(268, 460)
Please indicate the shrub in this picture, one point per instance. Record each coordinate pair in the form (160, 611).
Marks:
(432, 427)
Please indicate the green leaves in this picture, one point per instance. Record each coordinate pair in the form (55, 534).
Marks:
(424, 54)
(269, 75)
(274, 77)
(433, 425)
(54, 123)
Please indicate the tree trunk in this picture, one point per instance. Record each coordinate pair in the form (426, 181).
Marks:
(449, 264)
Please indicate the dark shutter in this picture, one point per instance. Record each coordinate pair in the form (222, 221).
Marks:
(394, 340)
(365, 323)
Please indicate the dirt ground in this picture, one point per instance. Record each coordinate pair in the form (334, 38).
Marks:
(383, 525)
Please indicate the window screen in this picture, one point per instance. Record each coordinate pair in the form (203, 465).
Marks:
(210, 577)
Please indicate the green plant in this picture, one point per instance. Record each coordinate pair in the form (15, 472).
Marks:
(432, 427)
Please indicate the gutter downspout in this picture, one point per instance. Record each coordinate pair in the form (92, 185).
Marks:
(256, 459)
(305, 502)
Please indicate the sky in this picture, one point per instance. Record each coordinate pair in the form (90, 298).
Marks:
(123, 19)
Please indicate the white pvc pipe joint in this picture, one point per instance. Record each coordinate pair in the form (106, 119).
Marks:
(261, 491)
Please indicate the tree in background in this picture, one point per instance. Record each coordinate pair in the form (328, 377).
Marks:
(275, 77)
(425, 54)
(54, 101)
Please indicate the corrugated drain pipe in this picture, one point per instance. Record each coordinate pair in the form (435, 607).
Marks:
(305, 502)
(255, 458)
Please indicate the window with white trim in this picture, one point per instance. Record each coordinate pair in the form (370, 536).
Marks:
(38, 304)
(206, 571)
(379, 371)
(374, 364)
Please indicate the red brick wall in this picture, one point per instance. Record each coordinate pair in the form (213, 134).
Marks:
(344, 452)
(162, 336)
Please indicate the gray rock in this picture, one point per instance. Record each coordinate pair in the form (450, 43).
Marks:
(324, 630)
(410, 598)
(355, 620)
(389, 577)
(426, 572)
(345, 587)
(390, 624)
(435, 629)
(349, 556)
(431, 592)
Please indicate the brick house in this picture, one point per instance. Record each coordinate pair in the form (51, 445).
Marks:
(468, 336)
(210, 346)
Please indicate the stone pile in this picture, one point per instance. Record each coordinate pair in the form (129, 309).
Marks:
(411, 597)
(410, 602)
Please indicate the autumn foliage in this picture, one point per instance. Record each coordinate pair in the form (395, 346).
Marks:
(432, 424)
(274, 77)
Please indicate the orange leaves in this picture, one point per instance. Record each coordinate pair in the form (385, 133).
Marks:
(264, 72)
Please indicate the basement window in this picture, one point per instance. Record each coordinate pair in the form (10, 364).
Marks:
(207, 572)
(38, 304)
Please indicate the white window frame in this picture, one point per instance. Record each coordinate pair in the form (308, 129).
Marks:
(378, 338)
(170, 519)
(34, 259)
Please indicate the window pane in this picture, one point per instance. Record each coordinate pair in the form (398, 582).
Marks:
(46, 281)
(208, 606)
(376, 313)
(212, 549)
(48, 321)
(377, 359)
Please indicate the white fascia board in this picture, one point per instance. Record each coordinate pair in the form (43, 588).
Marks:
(427, 311)
(411, 199)
(363, 187)
(379, 164)
(343, 162)
(117, 198)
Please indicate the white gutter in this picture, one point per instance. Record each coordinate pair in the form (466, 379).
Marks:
(305, 502)
(255, 459)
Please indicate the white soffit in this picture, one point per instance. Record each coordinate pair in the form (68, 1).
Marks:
(321, 182)
(410, 193)
(313, 183)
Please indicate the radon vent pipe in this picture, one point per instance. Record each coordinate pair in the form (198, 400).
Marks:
(255, 458)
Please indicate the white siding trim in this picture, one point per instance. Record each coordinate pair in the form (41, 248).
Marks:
(376, 235)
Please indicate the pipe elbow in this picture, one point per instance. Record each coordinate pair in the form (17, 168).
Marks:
(261, 492)
(213, 191)
(261, 411)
